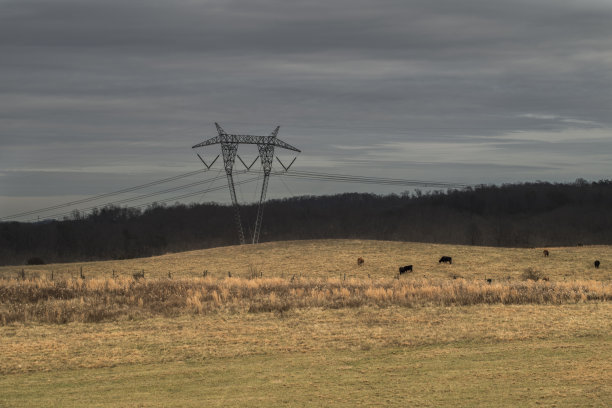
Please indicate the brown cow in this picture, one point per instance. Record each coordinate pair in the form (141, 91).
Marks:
(360, 261)
(545, 252)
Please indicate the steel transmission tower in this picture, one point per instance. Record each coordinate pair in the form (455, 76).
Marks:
(229, 149)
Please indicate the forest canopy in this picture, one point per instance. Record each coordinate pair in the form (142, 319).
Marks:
(511, 215)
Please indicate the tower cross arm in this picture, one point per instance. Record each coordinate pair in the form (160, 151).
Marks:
(211, 141)
(271, 140)
(247, 139)
(279, 143)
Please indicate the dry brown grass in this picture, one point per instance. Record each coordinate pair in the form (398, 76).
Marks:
(94, 300)
(424, 339)
(43, 347)
(336, 258)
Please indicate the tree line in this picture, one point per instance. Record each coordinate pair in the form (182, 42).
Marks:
(512, 215)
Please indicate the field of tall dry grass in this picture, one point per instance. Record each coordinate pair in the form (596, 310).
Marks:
(99, 299)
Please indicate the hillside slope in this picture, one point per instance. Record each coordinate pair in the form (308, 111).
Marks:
(338, 258)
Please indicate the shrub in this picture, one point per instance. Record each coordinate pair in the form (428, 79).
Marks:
(532, 274)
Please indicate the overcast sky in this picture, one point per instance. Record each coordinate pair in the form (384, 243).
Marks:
(96, 96)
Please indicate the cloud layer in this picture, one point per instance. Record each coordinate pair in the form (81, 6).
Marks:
(473, 91)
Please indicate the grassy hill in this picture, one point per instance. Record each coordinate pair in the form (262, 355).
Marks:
(368, 339)
(335, 258)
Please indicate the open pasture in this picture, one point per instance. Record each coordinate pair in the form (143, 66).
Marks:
(506, 356)
(287, 329)
(337, 258)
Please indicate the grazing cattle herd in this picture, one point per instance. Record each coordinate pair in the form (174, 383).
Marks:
(449, 260)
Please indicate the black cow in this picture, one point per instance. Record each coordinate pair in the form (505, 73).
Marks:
(596, 263)
(446, 259)
(404, 269)
(545, 252)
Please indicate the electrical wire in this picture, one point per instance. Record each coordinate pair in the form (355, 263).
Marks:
(208, 190)
(105, 195)
(286, 186)
(305, 175)
(368, 180)
(213, 179)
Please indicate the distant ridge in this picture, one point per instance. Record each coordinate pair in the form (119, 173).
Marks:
(512, 215)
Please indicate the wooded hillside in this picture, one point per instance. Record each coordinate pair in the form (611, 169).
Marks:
(515, 215)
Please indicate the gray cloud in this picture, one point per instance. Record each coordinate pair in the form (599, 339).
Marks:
(106, 88)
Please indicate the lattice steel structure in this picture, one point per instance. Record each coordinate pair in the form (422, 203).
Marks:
(229, 149)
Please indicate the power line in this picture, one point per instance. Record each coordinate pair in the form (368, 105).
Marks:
(286, 186)
(229, 149)
(305, 175)
(368, 180)
(105, 195)
(208, 190)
